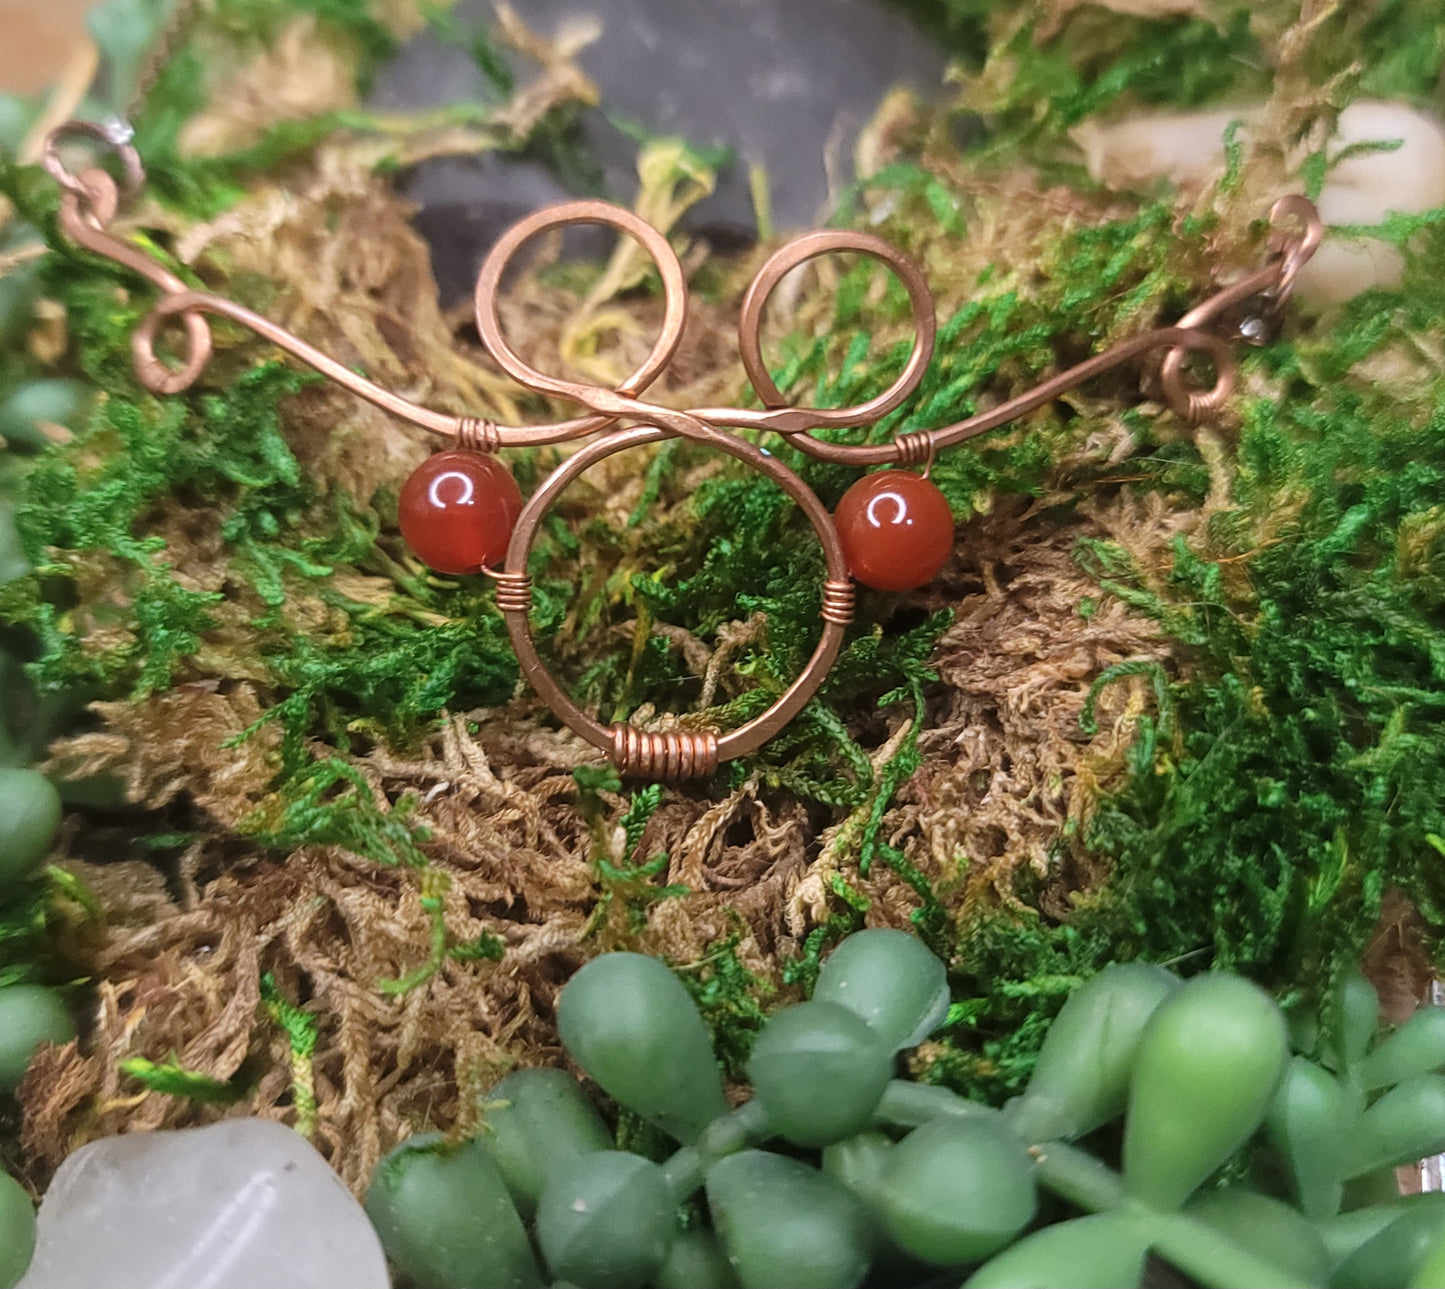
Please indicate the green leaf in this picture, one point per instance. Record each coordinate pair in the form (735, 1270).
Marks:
(1206, 1070)
(629, 1023)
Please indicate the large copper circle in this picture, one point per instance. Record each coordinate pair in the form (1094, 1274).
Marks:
(750, 736)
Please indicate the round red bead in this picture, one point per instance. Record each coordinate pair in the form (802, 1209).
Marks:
(458, 510)
(896, 530)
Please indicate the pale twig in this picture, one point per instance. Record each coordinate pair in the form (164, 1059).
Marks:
(65, 98)
(67, 95)
(12, 260)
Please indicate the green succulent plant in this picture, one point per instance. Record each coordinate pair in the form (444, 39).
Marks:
(1197, 1074)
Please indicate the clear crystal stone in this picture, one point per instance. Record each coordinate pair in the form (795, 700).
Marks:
(242, 1204)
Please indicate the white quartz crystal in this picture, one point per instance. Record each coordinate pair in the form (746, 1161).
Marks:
(242, 1204)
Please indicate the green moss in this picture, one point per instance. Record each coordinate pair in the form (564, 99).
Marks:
(629, 881)
(171, 1079)
(1297, 770)
(301, 1028)
(1030, 91)
(1292, 768)
(731, 1000)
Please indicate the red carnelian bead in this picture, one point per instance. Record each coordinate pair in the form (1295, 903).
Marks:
(458, 510)
(896, 530)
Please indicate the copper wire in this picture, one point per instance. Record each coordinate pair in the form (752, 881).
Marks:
(89, 203)
(914, 449)
(666, 754)
(514, 592)
(478, 434)
(752, 734)
(838, 602)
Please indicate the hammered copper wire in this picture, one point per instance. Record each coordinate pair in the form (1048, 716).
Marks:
(89, 203)
(568, 214)
(1275, 280)
(798, 252)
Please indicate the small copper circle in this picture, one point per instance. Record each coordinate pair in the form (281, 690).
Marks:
(799, 251)
(1194, 405)
(152, 372)
(674, 291)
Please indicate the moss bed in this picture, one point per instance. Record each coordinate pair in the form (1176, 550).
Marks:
(1177, 696)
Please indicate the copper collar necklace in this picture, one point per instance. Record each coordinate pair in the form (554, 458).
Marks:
(469, 489)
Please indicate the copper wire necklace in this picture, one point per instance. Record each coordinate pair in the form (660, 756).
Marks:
(462, 512)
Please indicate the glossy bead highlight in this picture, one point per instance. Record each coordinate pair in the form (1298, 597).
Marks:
(458, 510)
(896, 529)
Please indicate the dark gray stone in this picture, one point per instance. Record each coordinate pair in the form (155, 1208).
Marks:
(785, 84)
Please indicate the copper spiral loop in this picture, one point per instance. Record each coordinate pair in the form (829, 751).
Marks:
(838, 602)
(87, 206)
(1195, 406)
(152, 371)
(664, 755)
(1272, 285)
(514, 592)
(91, 198)
(750, 327)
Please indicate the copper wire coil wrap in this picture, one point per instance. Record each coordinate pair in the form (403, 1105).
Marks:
(514, 592)
(666, 755)
(915, 448)
(477, 434)
(619, 418)
(838, 602)
(1196, 406)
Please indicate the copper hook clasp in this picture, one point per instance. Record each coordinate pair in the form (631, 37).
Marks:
(1293, 247)
(115, 134)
